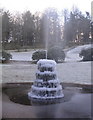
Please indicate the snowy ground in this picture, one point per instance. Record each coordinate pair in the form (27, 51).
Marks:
(70, 72)
(76, 72)
(22, 56)
(71, 55)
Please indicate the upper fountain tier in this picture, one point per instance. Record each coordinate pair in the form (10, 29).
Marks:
(46, 65)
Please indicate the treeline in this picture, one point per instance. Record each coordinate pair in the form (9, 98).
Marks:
(32, 30)
(78, 28)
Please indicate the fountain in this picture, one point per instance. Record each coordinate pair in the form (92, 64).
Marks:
(46, 88)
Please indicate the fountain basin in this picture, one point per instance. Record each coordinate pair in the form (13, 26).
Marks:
(75, 104)
(18, 93)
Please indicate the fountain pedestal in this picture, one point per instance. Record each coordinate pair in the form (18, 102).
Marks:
(46, 88)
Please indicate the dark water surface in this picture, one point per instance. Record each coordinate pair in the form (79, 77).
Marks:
(75, 104)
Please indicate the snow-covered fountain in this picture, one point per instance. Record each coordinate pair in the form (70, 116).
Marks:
(46, 88)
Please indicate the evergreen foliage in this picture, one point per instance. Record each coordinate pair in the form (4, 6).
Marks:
(87, 54)
(55, 53)
(5, 57)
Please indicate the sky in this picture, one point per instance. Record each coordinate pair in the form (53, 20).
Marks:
(40, 5)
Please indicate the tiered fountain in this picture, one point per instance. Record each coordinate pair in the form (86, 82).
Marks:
(46, 88)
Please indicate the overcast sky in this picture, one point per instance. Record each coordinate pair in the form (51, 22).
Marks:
(40, 5)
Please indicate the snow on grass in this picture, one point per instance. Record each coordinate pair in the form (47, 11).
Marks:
(73, 54)
(22, 56)
(75, 72)
(69, 72)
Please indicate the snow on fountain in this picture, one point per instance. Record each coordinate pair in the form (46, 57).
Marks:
(46, 88)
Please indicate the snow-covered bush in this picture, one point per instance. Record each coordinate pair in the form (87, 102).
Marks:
(5, 57)
(54, 53)
(40, 54)
(87, 54)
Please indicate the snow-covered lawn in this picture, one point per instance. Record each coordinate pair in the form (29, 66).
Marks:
(70, 72)
(76, 72)
(71, 55)
(22, 56)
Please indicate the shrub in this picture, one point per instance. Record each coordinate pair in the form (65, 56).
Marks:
(5, 57)
(57, 54)
(87, 54)
(54, 53)
(40, 54)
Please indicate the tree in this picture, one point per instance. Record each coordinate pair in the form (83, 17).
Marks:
(17, 31)
(77, 28)
(70, 29)
(28, 28)
(87, 27)
(51, 27)
(6, 27)
(37, 29)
